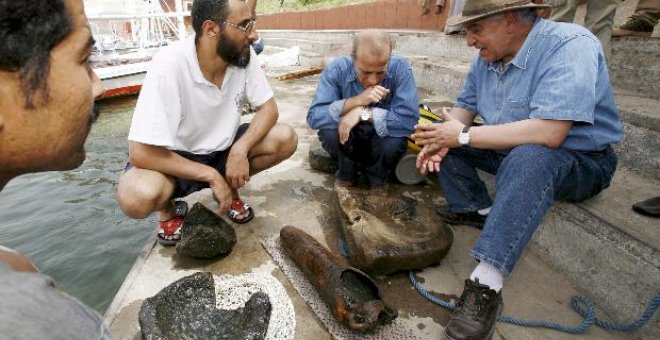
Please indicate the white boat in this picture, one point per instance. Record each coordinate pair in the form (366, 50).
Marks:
(128, 35)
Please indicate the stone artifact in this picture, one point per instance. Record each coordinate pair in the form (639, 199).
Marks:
(205, 235)
(186, 310)
(319, 159)
(386, 234)
(352, 296)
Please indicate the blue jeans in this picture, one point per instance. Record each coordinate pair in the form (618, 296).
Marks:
(528, 180)
(363, 152)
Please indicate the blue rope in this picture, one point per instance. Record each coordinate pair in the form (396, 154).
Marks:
(582, 306)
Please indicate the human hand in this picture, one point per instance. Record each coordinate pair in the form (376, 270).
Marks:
(221, 193)
(237, 168)
(439, 135)
(348, 122)
(430, 162)
(373, 95)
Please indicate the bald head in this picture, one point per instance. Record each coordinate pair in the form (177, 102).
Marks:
(371, 43)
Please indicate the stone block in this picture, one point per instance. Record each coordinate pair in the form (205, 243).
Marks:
(386, 234)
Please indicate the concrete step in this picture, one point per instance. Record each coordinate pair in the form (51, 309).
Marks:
(606, 249)
(438, 46)
(439, 76)
(311, 45)
(641, 140)
(635, 65)
(305, 59)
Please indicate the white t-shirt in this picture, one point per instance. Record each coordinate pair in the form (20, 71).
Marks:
(180, 110)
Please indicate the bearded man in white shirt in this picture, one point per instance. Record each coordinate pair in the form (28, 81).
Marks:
(186, 133)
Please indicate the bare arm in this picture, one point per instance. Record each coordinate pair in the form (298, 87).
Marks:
(238, 166)
(550, 133)
(369, 96)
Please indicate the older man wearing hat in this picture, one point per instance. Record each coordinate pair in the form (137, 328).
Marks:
(544, 94)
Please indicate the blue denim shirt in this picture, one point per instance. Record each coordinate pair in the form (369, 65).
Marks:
(559, 74)
(394, 116)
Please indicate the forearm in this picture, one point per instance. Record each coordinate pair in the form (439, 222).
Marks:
(465, 116)
(162, 160)
(550, 133)
(350, 104)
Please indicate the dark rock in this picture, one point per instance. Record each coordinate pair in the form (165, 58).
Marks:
(351, 295)
(186, 310)
(319, 159)
(204, 235)
(387, 234)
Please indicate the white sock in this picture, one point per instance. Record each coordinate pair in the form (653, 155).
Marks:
(488, 275)
(484, 211)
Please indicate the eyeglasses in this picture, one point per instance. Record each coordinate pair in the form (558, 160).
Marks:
(247, 28)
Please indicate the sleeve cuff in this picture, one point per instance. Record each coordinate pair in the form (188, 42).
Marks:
(380, 123)
(336, 108)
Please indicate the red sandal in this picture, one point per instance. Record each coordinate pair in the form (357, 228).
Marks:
(240, 208)
(169, 232)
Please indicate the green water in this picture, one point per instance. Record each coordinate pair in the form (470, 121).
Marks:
(69, 224)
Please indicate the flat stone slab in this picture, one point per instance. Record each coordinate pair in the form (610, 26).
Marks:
(385, 234)
(205, 235)
(186, 309)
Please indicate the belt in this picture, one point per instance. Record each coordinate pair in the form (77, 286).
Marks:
(608, 150)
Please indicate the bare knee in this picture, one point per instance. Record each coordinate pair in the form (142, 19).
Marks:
(138, 199)
(287, 140)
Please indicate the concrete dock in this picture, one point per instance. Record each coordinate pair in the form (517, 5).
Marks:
(294, 194)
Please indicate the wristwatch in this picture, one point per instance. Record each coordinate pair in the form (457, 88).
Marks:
(464, 136)
(366, 114)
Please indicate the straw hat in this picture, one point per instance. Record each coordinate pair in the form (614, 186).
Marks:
(479, 9)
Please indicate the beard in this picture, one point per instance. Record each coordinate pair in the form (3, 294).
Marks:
(232, 53)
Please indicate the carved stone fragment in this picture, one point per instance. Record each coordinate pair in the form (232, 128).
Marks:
(205, 235)
(351, 295)
(186, 310)
(386, 234)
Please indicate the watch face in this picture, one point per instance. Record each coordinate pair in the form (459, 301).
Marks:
(463, 138)
(364, 115)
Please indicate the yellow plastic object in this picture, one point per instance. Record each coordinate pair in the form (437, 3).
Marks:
(426, 116)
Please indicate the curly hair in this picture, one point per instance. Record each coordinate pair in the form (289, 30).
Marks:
(202, 10)
(28, 31)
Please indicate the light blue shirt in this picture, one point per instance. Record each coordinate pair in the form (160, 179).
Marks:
(558, 74)
(394, 116)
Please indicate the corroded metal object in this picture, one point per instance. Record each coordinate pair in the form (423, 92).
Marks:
(204, 235)
(186, 309)
(385, 233)
(300, 74)
(351, 294)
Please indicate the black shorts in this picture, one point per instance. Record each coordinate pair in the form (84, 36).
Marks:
(216, 160)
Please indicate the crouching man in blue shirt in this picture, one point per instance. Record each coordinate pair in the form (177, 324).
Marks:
(365, 106)
(544, 93)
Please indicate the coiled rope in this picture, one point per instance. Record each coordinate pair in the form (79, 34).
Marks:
(581, 305)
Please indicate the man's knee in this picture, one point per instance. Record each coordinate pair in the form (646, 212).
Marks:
(139, 198)
(287, 141)
(531, 161)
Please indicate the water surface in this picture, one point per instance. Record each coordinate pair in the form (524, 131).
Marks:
(69, 223)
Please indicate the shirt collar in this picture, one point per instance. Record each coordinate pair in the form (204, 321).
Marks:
(193, 62)
(521, 58)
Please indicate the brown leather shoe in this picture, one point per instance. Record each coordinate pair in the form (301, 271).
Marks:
(475, 314)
